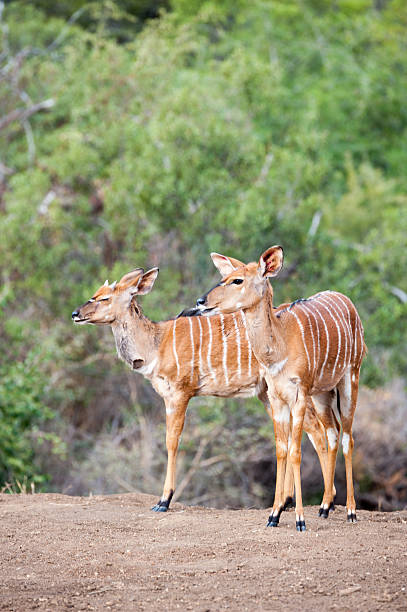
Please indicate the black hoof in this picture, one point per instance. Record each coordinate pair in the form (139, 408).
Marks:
(274, 519)
(324, 512)
(159, 508)
(163, 504)
(289, 503)
(300, 525)
(352, 517)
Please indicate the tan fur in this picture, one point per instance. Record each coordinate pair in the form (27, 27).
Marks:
(183, 358)
(309, 348)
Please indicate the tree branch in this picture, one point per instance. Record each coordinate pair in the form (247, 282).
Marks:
(22, 114)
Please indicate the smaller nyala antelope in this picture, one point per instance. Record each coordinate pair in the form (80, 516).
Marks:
(312, 347)
(185, 357)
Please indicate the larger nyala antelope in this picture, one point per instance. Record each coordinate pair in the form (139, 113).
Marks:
(312, 347)
(182, 358)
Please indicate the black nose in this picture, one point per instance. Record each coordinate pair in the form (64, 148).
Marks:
(75, 313)
(201, 301)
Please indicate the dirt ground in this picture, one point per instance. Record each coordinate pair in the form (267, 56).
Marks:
(113, 553)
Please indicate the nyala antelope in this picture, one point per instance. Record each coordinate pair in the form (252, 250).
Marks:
(312, 347)
(185, 357)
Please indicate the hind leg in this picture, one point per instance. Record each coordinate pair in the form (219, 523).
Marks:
(348, 389)
(317, 437)
(316, 434)
(325, 404)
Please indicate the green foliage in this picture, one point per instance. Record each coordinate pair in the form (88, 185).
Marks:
(219, 126)
(21, 416)
(119, 19)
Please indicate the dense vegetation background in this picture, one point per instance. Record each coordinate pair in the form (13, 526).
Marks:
(142, 133)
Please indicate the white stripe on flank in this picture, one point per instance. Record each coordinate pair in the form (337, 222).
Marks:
(361, 341)
(191, 333)
(327, 342)
(340, 317)
(210, 348)
(239, 366)
(348, 322)
(312, 333)
(355, 337)
(200, 346)
(317, 326)
(339, 297)
(348, 353)
(303, 337)
(225, 349)
(323, 304)
(249, 346)
(174, 346)
(348, 331)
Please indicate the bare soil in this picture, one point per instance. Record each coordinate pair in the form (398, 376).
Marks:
(113, 553)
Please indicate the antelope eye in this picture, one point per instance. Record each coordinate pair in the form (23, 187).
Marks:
(104, 299)
(237, 281)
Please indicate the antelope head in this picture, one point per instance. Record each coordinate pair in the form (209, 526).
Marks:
(242, 285)
(110, 301)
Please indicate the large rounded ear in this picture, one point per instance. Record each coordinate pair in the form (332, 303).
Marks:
(147, 281)
(225, 265)
(131, 279)
(271, 262)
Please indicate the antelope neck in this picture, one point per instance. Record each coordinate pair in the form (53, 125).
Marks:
(137, 340)
(265, 331)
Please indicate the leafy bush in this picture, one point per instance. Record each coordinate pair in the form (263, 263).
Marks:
(220, 126)
(22, 415)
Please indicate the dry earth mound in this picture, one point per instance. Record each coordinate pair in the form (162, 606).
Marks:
(112, 553)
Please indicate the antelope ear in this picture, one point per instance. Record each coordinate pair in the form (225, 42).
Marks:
(147, 281)
(236, 262)
(271, 262)
(225, 265)
(131, 279)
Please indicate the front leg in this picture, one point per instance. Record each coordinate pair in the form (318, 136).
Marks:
(175, 417)
(289, 476)
(281, 421)
(298, 412)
